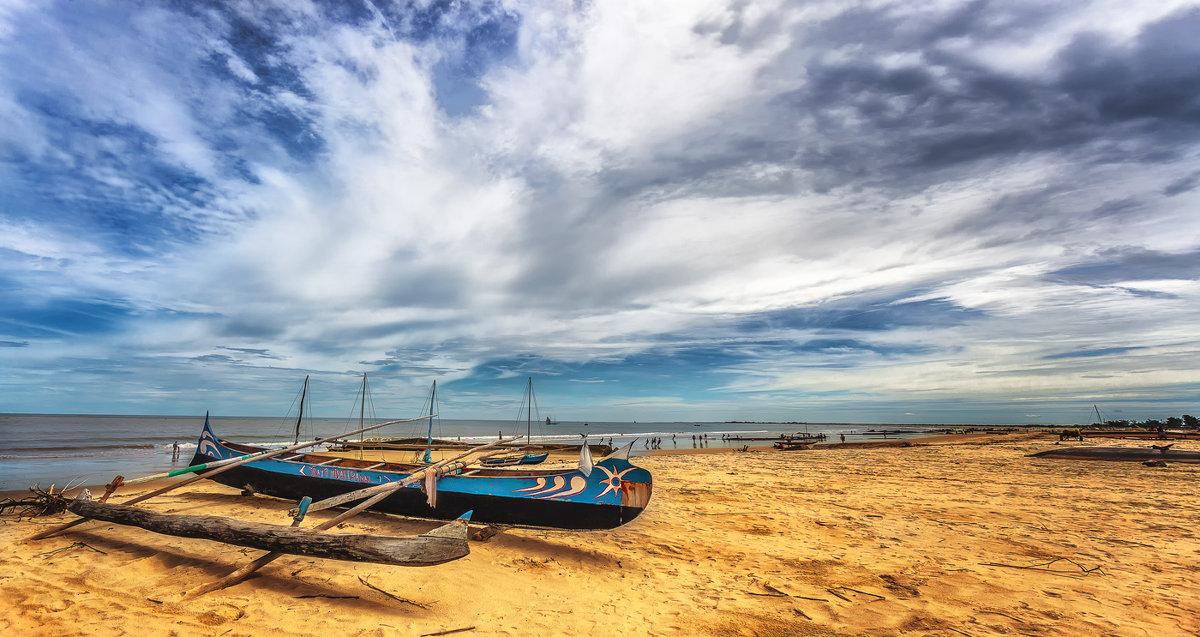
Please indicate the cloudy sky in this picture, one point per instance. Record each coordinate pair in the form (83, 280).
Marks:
(699, 210)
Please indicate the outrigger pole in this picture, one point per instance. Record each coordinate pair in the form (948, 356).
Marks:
(376, 494)
(236, 462)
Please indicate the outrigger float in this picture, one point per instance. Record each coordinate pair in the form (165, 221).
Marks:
(445, 543)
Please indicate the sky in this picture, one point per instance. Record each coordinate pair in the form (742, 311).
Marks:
(705, 210)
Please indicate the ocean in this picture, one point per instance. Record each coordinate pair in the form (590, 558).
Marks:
(46, 449)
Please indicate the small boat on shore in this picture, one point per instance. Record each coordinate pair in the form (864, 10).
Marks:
(601, 496)
(1140, 434)
(1121, 453)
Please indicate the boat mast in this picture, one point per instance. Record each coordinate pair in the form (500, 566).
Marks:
(303, 393)
(428, 457)
(362, 411)
(1099, 420)
(529, 413)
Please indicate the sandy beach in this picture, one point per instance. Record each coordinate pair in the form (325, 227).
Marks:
(960, 535)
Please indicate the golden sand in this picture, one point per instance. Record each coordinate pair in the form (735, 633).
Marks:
(942, 539)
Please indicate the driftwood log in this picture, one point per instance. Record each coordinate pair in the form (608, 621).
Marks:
(443, 544)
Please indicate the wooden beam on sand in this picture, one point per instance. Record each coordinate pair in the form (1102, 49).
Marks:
(443, 544)
(377, 494)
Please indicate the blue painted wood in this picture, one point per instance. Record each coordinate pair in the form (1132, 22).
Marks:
(615, 492)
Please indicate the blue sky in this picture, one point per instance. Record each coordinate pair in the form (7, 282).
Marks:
(701, 210)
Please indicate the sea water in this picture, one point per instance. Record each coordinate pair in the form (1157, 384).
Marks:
(46, 449)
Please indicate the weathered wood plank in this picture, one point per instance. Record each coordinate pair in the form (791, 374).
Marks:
(440, 545)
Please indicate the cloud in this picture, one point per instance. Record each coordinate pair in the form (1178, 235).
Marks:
(702, 208)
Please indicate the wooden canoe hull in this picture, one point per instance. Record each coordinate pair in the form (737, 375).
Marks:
(613, 494)
(1119, 454)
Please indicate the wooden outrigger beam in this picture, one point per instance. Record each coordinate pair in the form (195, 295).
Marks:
(377, 494)
(236, 462)
(443, 544)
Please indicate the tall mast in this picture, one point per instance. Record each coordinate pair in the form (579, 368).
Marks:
(428, 457)
(362, 413)
(529, 412)
(303, 394)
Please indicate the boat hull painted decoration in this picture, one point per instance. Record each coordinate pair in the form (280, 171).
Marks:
(615, 493)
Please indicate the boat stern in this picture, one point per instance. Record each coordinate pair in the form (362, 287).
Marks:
(632, 485)
(209, 447)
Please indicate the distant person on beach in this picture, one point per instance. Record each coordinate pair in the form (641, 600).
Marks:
(175, 451)
(843, 437)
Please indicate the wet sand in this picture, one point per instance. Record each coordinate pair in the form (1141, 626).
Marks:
(965, 536)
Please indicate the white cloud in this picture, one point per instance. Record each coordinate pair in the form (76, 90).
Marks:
(583, 211)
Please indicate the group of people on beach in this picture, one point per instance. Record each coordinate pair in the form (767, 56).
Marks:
(698, 440)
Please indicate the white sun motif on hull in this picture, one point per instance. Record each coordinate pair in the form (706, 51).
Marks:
(613, 481)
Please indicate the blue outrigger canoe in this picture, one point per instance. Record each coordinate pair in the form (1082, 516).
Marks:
(614, 493)
(529, 458)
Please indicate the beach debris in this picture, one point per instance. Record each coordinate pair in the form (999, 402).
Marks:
(1155, 463)
(847, 588)
(775, 592)
(366, 582)
(838, 595)
(448, 632)
(1045, 567)
(42, 502)
(76, 545)
(771, 592)
(485, 533)
(996, 612)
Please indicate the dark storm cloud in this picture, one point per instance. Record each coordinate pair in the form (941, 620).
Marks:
(860, 118)
(948, 109)
(862, 122)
